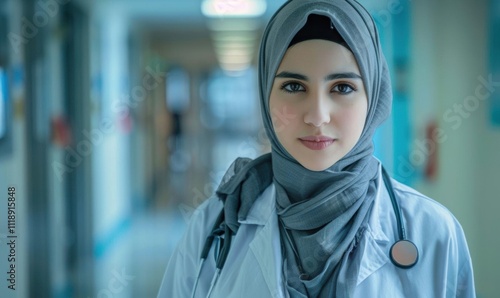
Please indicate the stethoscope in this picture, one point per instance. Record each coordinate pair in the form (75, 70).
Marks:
(403, 253)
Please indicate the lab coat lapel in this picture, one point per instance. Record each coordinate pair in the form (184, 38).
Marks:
(372, 256)
(266, 246)
(373, 251)
(262, 248)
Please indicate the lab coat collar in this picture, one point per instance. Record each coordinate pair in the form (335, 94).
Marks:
(372, 252)
(382, 208)
(262, 208)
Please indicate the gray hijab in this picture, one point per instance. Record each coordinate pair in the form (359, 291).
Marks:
(323, 214)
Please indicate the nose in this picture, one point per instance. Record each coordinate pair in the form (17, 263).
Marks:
(317, 111)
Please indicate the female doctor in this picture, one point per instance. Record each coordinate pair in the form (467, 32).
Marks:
(318, 216)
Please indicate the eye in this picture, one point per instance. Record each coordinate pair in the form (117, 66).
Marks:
(292, 87)
(343, 89)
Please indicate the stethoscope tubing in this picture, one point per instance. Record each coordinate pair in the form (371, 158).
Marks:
(403, 253)
(395, 204)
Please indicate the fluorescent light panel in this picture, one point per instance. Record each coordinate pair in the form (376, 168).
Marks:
(233, 8)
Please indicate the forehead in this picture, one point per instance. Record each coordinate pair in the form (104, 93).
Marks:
(318, 56)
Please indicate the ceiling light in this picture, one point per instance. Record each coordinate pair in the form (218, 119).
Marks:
(233, 8)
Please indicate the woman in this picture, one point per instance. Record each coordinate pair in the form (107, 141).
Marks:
(315, 217)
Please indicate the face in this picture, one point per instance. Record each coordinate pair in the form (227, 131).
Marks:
(318, 103)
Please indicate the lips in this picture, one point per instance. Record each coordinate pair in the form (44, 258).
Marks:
(316, 142)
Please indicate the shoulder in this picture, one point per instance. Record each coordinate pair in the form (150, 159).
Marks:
(185, 257)
(422, 208)
(440, 239)
(205, 214)
(431, 225)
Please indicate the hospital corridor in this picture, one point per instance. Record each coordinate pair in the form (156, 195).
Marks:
(118, 118)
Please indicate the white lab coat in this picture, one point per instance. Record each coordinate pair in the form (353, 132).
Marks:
(254, 264)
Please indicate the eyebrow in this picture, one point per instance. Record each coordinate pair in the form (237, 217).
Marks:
(330, 77)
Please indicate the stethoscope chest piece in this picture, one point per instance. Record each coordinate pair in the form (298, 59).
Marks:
(404, 254)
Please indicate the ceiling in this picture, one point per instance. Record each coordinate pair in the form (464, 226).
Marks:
(177, 29)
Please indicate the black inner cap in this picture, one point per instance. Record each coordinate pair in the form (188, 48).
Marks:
(318, 27)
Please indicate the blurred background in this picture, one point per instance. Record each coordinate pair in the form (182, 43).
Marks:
(119, 117)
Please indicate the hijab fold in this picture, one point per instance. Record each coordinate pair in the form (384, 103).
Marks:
(322, 214)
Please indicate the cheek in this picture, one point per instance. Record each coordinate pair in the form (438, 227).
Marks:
(352, 121)
(283, 115)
